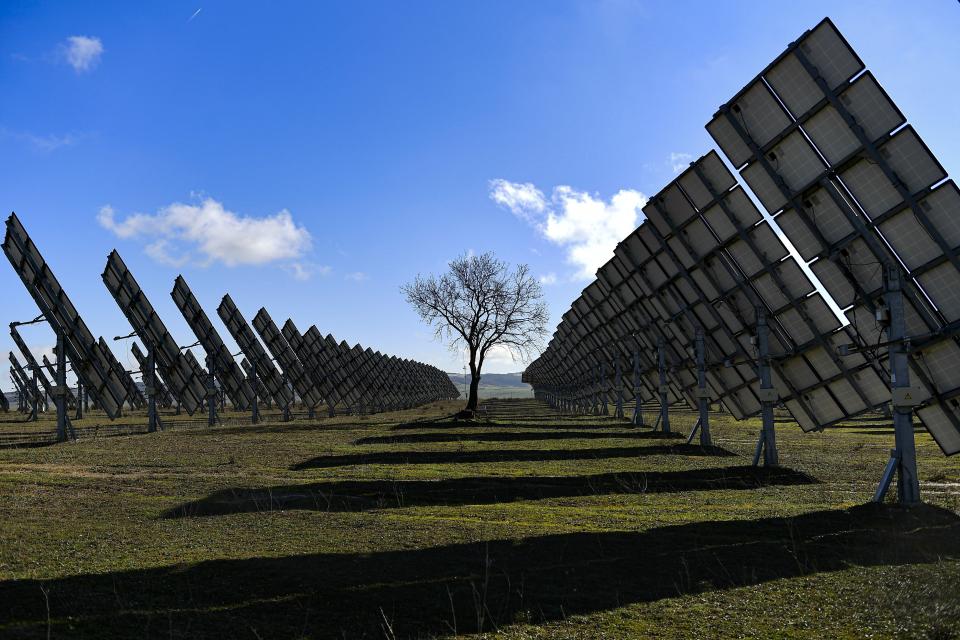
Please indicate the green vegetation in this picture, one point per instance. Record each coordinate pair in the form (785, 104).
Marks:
(525, 524)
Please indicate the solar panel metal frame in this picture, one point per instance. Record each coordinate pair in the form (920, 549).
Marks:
(816, 336)
(183, 380)
(262, 392)
(311, 362)
(278, 346)
(89, 364)
(52, 372)
(163, 396)
(31, 361)
(228, 372)
(335, 364)
(25, 382)
(902, 190)
(134, 397)
(247, 341)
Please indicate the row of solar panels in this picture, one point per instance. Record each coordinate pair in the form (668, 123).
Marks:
(319, 369)
(854, 189)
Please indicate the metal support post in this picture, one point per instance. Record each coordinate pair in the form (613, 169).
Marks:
(64, 428)
(703, 395)
(664, 419)
(638, 407)
(767, 445)
(211, 391)
(618, 412)
(903, 458)
(255, 410)
(286, 406)
(604, 391)
(35, 393)
(150, 382)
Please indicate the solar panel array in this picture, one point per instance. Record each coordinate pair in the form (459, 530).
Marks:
(254, 351)
(827, 155)
(71, 397)
(25, 382)
(90, 364)
(320, 370)
(178, 370)
(229, 374)
(164, 399)
(31, 362)
(303, 382)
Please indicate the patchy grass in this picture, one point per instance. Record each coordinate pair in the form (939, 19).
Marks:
(523, 525)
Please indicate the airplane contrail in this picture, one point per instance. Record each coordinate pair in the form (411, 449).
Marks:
(195, 13)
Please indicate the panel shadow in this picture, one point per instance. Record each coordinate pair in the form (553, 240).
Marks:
(506, 455)
(364, 495)
(463, 588)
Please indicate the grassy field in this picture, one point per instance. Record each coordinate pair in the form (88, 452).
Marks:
(529, 525)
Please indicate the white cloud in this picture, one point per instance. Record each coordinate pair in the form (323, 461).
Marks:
(523, 200)
(306, 270)
(159, 251)
(82, 52)
(357, 276)
(43, 143)
(588, 227)
(179, 231)
(548, 279)
(679, 161)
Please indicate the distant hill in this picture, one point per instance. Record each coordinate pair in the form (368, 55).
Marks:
(497, 385)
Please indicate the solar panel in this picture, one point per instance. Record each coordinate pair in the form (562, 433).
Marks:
(278, 346)
(31, 362)
(336, 364)
(228, 372)
(244, 337)
(855, 189)
(262, 392)
(183, 379)
(15, 377)
(164, 399)
(134, 397)
(89, 363)
(71, 398)
(23, 378)
(311, 362)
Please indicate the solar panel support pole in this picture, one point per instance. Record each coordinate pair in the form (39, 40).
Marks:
(255, 410)
(150, 382)
(604, 391)
(79, 414)
(767, 445)
(286, 407)
(638, 406)
(60, 399)
(35, 392)
(664, 419)
(618, 413)
(703, 399)
(212, 399)
(903, 459)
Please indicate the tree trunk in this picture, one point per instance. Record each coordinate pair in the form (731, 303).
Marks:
(474, 386)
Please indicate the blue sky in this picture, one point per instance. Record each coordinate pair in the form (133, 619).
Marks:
(312, 157)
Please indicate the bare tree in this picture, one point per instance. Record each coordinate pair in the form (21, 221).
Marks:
(479, 304)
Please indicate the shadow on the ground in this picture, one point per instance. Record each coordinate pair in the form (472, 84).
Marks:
(519, 423)
(364, 495)
(506, 455)
(461, 588)
(508, 436)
